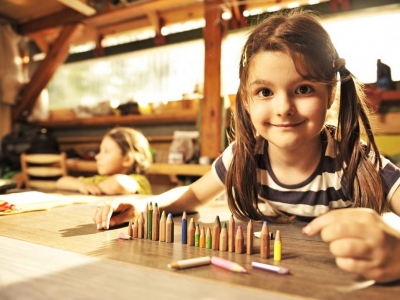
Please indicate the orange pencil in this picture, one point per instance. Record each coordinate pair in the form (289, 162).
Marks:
(202, 243)
(191, 232)
(223, 239)
(231, 234)
(264, 241)
(215, 233)
(239, 240)
(250, 237)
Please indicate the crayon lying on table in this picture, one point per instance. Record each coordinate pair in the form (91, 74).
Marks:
(227, 264)
(189, 263)
(270, 268)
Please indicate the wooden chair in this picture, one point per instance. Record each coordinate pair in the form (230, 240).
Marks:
(41, 171)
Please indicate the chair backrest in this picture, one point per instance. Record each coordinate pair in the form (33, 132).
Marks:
(41, 171)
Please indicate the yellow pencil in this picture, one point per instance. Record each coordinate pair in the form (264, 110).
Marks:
(278, 246)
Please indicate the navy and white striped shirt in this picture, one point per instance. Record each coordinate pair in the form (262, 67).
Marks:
(324, 190)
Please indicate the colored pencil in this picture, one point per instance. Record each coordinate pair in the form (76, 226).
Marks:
(223, 239)
(145, 214)
(150, 221)
(135, 228)
(169, 229)
(208, 238)
(141, 226)
(202, 243)
(155, 229)
(130, 232)
(250, 238)
(184, 228)
(124, 236)
(231, 234)
(197, 236)
(264, 241)
(163, 224)
(239, 240)
(191, 232)
(227, 264)
(278, 246)
(189, 263)
(215, 233)
(270, 268)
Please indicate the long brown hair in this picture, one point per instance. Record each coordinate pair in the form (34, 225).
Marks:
(300, 35)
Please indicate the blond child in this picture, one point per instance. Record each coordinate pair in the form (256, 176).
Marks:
(123, 158)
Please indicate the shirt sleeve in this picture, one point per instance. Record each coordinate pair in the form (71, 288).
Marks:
(143, 182)
(390, 177)
(221, 165)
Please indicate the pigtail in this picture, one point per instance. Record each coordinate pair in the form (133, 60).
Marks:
(241, 179)
(365, 184)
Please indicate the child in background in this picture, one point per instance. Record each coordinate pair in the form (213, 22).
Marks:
(123, 158)
(299, 118)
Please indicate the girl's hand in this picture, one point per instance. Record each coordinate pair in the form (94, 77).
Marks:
(361, 242)
(89, 188)
(116, 212)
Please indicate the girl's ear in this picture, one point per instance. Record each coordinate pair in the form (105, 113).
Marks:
(128, 160)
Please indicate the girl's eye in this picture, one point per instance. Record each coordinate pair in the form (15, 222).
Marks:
(304, 89)
(264, 93)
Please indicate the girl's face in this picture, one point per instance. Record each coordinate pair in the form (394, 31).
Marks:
(286, 109)
(110, 160)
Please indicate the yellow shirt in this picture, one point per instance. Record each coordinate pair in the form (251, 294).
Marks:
(143, 182)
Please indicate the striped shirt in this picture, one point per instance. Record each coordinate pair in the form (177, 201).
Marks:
(324, 190)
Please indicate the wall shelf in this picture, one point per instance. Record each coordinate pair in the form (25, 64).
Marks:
(176, 117)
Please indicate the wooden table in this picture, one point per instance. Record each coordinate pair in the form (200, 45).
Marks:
(58, 254)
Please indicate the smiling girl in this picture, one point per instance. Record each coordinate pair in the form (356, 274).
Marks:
(300, 117)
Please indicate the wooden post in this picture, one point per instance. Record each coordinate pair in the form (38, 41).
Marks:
(210, 131)
(56, 55)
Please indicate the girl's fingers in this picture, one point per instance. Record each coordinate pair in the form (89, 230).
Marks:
(336, 216)
(351, 248)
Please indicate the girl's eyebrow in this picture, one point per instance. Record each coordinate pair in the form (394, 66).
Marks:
(259, 82)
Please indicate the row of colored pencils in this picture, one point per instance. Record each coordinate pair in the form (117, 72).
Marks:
(229, 238)
(153, 226)
(150, 225)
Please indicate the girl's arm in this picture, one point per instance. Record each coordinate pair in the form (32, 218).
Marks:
(361, 241)
(70, 183)
(174, 201)
(119, 184)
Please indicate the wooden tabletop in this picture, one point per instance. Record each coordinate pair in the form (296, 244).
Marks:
(59, 254)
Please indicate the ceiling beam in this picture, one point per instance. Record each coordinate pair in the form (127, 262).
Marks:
(79, 6)
(56, 55)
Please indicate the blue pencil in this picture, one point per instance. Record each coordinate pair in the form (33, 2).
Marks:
(184, 228)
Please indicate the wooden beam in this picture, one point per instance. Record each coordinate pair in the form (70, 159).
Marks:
(79, 6)
(57, 54)
(157, 23)
(211, 123)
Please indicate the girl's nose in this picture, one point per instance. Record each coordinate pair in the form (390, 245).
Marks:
(284, 105)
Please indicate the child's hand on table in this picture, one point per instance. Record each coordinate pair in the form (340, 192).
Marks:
(361, 242)
(89, 189)
(116, 212)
